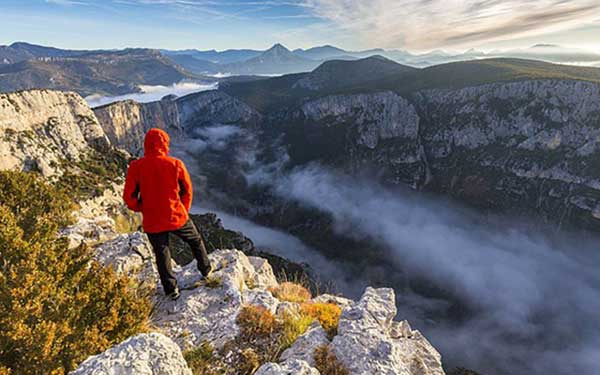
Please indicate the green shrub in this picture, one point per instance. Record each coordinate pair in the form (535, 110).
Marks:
(39, 208)
(57, 306)
(93, 174)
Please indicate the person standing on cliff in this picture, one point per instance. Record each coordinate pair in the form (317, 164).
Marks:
(160, 187)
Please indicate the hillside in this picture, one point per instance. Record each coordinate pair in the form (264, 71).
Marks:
(108, 73)
(379, 74)
(21, 51)
(330, 77)
(478, 72)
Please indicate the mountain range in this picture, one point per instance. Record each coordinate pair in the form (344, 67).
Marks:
(86, 72)
(117, 72)
(298, 60)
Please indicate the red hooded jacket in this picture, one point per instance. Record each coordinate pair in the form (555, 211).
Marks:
(158, 186)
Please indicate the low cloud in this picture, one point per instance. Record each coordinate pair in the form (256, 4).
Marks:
(534, 298)
(151, 93)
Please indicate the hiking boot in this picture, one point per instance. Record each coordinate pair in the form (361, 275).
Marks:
(174, 295)
(205, 273)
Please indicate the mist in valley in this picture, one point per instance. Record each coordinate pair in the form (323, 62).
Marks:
(151, 93)
(530, 298)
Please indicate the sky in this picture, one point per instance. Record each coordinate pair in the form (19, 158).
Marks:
(414, 25)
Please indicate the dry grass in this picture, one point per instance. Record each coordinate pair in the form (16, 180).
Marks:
(213, 282)
(327, 363)
(291, 292)
(292, 326)
(256, 321)
(328, 314)
(199, 359)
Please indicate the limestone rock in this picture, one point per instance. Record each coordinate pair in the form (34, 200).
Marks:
(128, 254)
(377, 116)
(368, 341)
(126, 122)
(295, 367)
(209, 314)
(304, 346)
(264, 276)
(145, 354)
(40, 129)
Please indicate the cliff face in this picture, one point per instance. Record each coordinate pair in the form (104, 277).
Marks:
(529, 147)
(530, 144)
(40, 129)
(126, 122)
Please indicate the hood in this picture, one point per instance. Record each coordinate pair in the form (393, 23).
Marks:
(156, 142)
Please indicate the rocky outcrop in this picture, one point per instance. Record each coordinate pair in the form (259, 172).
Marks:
(126, 122)
(146, 354)
(303, 348)
(291, 367)
(376, 116)
(214, 107)
(530, 144)
(41, 129)
(369, 341)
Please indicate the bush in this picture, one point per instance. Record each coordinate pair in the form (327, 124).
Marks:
(327, 363)
(57, 306)
(328, 314)
(38, 208)
(256, 321)
(93, 174)
(292, 326)
(290, 292)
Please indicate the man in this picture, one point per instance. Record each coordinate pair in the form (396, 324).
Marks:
(159, 187)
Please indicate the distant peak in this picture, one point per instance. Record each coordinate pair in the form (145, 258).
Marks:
(278, 46)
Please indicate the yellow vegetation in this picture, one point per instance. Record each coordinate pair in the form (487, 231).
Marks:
(292, 326)
(256, 321)
(290, 292)
(57, 306)
(328, 314)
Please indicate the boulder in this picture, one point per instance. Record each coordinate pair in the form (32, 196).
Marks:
(145, 354)
(304, 347)
(295, 367)
(370, 342)
(209, 313)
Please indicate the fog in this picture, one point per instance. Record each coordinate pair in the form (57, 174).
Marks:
(151, 93)
(328, 274)
(532, 298)
(535, 297)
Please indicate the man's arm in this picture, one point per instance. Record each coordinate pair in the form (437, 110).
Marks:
(131, 192)
(185, 186)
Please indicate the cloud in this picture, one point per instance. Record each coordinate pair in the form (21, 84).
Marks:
(428, 24)
(151, 93)
(533, 297)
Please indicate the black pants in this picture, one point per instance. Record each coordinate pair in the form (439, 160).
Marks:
(160, 244)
